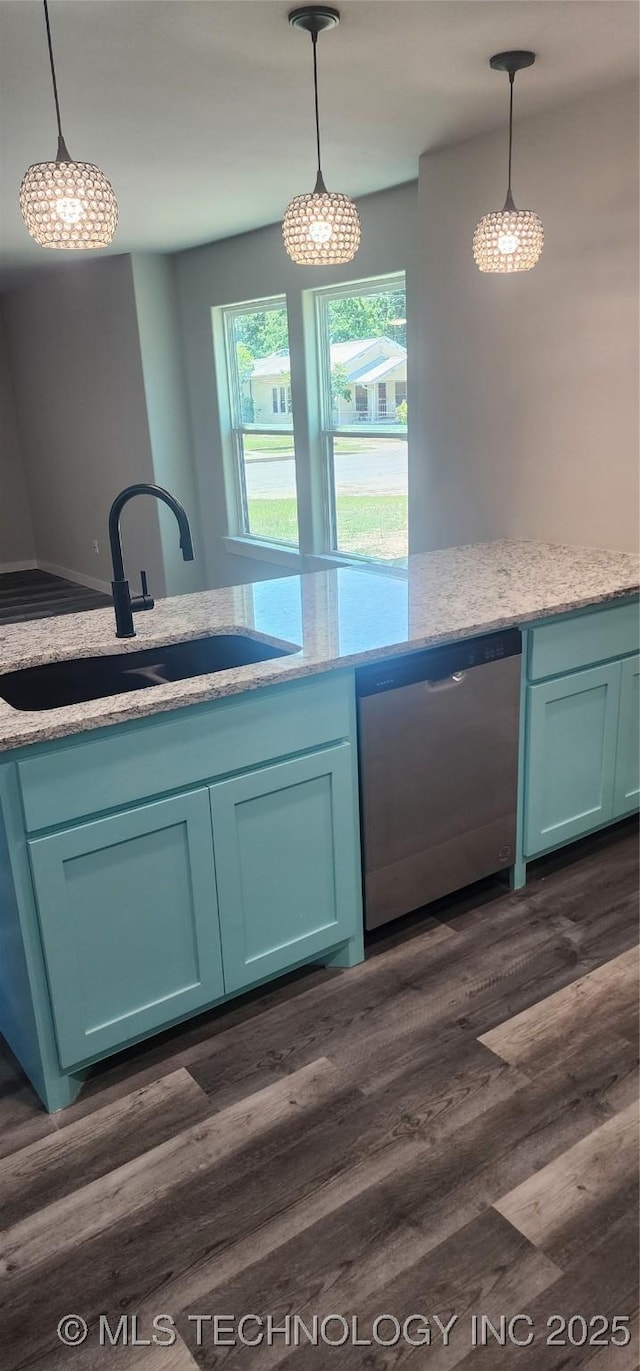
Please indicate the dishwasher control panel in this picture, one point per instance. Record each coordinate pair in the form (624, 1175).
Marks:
(437, 663)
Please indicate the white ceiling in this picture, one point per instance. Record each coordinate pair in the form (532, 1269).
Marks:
(201, 113)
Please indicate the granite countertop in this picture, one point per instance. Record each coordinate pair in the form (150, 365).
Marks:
(334, 618)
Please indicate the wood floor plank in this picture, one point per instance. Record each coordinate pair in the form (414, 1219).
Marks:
(485, 1265)
(572, 888)
(332, 1266)
(141, 1182)
(431, 1183)
(427, 994)
(207, 1207)
(41, 1174)
(37, 595)
(560, 1207)
(370, 1178)
(22, 1117)
(558, 1108)
(626, 1358)
(92, 1356)
(323, 1022)
(468, 993)
(601, 1001)
(603, 1280)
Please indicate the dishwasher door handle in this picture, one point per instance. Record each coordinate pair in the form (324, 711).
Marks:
(448, 682)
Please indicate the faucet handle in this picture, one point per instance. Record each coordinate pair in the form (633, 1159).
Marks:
(145, 600)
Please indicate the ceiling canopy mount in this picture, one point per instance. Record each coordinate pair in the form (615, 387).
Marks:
(314, 18)
(513, 61)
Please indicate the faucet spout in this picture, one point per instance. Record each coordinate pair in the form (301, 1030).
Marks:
(123, 604)
(186, 544)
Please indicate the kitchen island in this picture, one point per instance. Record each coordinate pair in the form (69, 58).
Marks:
(165, 849)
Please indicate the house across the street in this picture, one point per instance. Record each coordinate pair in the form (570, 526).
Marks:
(369, 375)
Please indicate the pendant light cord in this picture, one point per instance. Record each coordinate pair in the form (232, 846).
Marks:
(62, 155)
(508, 204)
(320, 186)
(512, 77)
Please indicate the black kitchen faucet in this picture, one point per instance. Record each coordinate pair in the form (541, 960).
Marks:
(123, 603)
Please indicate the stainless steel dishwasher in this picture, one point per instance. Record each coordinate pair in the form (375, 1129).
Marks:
(438, 745)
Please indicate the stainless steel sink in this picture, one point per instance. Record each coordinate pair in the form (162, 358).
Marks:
(91, 678)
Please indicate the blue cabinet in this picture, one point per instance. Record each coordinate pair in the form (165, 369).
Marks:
(571, 745)
(129, 923)
(627, 778)
(114, 918)
(287, 863)
(580, 737)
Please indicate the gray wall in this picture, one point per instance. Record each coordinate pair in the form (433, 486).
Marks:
(167, 412)
(16, 532)
(252, 266)
(79, 390)
(527, 422)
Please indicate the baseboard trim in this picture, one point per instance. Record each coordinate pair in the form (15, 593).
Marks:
(91, 582)
(29, 565)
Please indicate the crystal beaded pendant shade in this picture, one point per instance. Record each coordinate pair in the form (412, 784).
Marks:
(67, 204)
(321, 228)
(509, 239)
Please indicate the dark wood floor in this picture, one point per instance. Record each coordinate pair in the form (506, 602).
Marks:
(450, 1128)
(37, 595)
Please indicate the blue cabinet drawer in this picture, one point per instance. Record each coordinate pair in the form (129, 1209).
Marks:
(168, 752)
(584, 640)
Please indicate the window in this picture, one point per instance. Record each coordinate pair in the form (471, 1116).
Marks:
(258, 370)
(281, 399)
(352, 463)
(363, 380)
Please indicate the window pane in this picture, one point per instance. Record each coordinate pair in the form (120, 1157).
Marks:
(367, 336)
(363, 338)
(370, 482)
(270, 484)
(260, 358)
(259, 376)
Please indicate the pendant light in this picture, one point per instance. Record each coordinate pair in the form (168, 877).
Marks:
(323, 228)
(67, 204)
(511, 239)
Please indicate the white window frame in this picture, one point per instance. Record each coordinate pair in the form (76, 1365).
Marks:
(239, 428)
(312, 437)
(328, 430)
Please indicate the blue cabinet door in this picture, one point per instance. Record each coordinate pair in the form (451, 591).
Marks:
(287, 863)
(129, 923)
(570, 759)
(627, 783)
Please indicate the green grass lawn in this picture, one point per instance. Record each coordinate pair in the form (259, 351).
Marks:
(369, 525)
(283, 443)
(260, 442)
